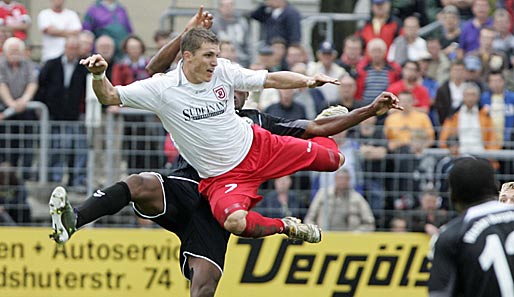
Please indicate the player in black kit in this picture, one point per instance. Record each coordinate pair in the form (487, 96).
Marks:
(474, 253)
(173, 201)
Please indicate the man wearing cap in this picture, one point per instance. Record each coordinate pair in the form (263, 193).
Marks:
(327, 55)
(382, 24)
(473, 72)
(267, 58)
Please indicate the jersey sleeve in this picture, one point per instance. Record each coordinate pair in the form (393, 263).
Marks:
(284, 127)
(443, 274)
(245, 79)
(143, 94)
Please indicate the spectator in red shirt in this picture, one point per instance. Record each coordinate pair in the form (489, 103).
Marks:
(410, 83)
(382, 24)
(14, 16)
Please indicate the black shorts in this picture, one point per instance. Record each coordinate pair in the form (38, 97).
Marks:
(189, 216)
(204, 238)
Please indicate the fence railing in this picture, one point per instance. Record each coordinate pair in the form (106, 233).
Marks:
(132, 141)
(43, 128)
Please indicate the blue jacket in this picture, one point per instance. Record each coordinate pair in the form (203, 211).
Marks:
(287, 25)
(509, 111)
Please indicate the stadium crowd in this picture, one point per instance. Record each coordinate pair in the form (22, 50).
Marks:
(456, 84)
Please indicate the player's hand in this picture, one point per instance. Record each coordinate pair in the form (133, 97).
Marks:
(320, 79)
(95, 64)
(200, 19)
(384, 102)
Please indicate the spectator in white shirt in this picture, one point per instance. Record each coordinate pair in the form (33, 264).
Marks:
(56, 23)
(409, 46)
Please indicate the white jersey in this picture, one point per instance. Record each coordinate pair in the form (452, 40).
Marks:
(200, 117)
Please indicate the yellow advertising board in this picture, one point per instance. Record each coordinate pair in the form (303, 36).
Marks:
(144, 262)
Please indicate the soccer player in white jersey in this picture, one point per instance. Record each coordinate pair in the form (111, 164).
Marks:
(195, 104)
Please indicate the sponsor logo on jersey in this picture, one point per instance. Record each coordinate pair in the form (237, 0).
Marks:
(220, 93)
(211, 110)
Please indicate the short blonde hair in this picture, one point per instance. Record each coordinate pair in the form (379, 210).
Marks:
(507, 186)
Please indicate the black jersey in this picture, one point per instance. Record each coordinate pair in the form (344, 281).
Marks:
(474, 254)
(276, 125)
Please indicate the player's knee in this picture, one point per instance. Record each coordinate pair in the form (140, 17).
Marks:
(141, 186)
(236, 222)
(135, 184)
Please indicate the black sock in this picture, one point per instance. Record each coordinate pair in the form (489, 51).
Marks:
(103, 202)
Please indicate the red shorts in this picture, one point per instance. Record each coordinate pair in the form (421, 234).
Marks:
(270, 156)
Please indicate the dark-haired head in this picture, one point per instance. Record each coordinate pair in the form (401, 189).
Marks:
(194, 38)
(472, 181)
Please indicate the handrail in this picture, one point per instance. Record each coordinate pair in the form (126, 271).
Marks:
(43, 135)
(503, 154)
(109, 138)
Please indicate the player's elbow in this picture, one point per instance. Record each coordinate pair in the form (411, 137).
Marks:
(151, 69)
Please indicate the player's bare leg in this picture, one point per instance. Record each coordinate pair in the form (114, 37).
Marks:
(204, 277)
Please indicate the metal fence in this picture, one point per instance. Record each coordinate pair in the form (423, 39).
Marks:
(40, 154)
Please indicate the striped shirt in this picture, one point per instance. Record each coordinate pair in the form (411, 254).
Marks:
(377, 81)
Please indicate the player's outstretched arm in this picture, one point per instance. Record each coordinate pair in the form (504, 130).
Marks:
(293, 80)
(104, 90)
(333, 125)
(167, 54)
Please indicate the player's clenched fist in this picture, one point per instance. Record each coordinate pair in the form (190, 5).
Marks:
(95, 64)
